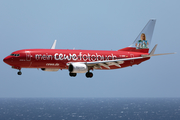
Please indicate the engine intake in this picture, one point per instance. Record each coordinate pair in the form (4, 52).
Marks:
(78, 68)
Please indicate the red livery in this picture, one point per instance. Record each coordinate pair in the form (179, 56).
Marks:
(82, 61)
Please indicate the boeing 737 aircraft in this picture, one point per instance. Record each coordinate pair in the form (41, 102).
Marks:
(82, 61)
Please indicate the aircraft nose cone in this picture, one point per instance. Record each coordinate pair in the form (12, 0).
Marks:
(7, 60)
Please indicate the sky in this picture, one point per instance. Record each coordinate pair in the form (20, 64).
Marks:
(90, 25)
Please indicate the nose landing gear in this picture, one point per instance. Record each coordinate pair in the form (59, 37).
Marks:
(19, 72)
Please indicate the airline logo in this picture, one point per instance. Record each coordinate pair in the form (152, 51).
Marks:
(74, 57)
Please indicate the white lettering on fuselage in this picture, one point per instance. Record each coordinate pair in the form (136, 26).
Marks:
(52, 64)
(83, 57)
(43, 57)
(75, 57)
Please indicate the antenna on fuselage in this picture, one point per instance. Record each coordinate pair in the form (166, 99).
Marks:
(54, 45)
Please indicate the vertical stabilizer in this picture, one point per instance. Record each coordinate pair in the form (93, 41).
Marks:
(143, 40)
(146, 35)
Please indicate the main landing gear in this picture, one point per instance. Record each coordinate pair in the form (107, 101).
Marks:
(89, 74)
(73, 74)
(19, 72)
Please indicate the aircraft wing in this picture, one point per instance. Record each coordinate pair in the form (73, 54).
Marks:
(117, 62)
(107, 63)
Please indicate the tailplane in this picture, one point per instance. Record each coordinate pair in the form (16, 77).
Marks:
(152, 53)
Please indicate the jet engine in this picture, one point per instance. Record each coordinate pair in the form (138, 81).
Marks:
(49, 69)
(77, 68)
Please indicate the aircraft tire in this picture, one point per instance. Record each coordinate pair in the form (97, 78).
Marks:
(89, 74)
(72, 74)
(19, 73)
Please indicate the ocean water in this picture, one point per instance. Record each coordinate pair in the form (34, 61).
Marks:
(89, 108)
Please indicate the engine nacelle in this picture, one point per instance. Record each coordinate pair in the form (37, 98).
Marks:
(77, 68)
(49, 69)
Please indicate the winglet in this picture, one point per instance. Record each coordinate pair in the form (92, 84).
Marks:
(153, 50)
(54, 45)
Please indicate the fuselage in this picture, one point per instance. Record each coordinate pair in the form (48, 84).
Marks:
(58, 58)
(83, 61)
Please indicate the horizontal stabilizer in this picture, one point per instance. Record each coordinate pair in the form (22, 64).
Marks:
(152, 53)
(156, 54)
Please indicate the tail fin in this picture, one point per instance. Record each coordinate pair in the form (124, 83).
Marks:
(143, 40)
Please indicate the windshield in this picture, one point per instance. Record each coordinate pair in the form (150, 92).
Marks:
(16, 55)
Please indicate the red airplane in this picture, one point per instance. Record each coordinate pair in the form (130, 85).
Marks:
(82, 61)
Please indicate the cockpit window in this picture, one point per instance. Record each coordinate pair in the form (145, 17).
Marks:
(16, 55)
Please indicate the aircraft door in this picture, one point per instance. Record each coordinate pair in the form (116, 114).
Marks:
(28, 56)
(132, 61)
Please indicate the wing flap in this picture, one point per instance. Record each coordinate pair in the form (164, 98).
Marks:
(108, 63)
(104, 65)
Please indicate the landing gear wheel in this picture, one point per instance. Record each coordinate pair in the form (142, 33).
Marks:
(89, 74)
(72, 74)
(19, 73)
